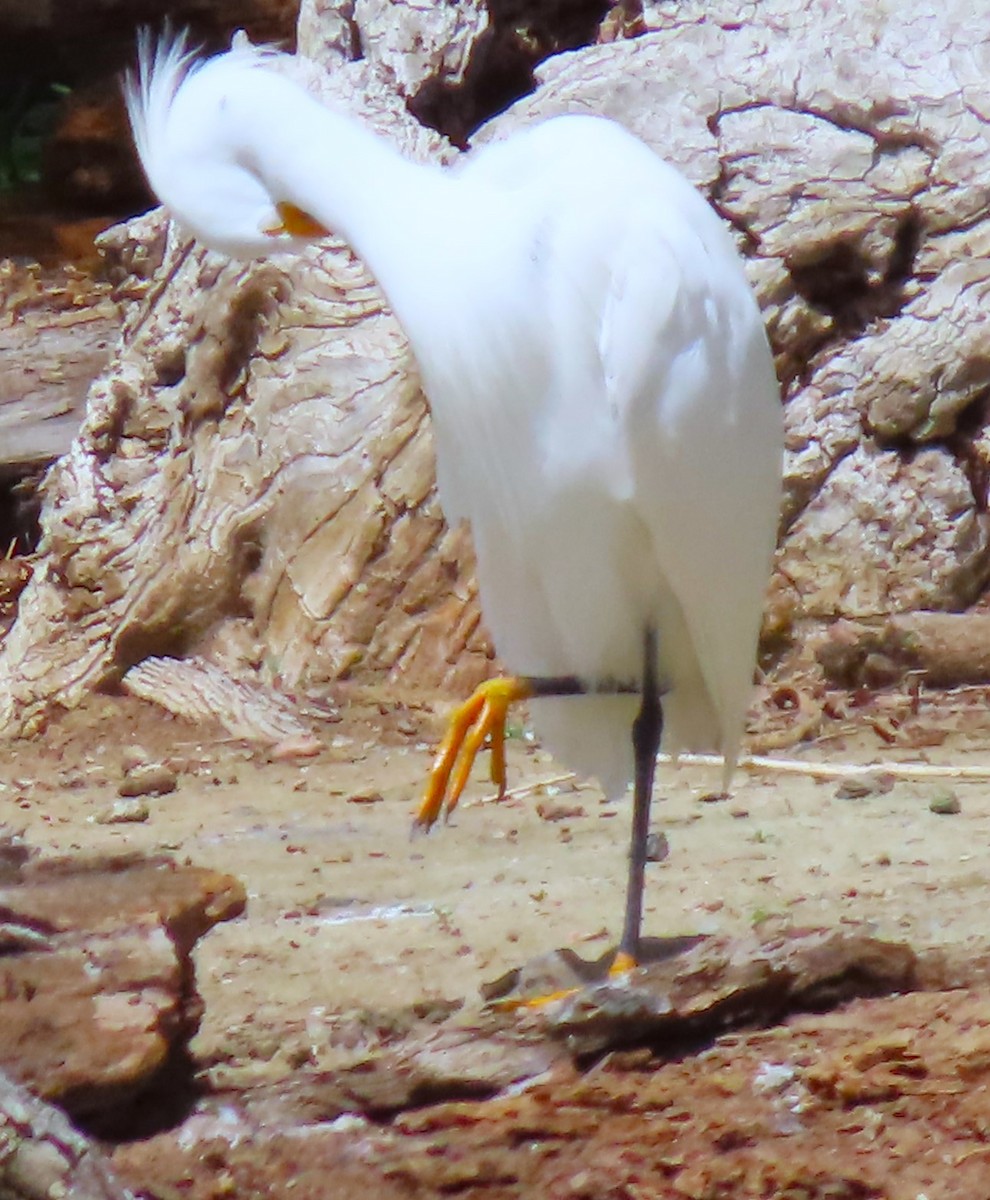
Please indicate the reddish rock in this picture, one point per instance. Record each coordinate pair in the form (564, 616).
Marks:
(884, 1099)
(97, 996)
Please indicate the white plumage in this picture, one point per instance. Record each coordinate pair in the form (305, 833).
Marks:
(603, 396)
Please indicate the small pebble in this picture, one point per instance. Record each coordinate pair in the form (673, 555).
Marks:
(657, 846)
(945, 802)
(122, 812)
(72, 780)
(299, 745)
(869, 783)
(133, 757)
(365, 798)
(550, 811)
(148, 779)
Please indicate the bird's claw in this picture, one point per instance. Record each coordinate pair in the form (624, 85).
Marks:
(622, 964)
(482, 716)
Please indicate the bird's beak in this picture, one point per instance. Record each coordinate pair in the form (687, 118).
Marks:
(296, 222)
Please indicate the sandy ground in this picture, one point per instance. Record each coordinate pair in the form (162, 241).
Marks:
(347, 914)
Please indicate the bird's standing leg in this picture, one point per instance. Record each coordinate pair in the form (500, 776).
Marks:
(646, 733)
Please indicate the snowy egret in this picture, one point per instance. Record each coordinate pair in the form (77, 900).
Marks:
(604, 403)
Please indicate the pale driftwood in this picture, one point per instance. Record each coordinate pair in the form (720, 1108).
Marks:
(944, 649)
(261, 445)
(55, 337)
(412, 43)
(202, 691)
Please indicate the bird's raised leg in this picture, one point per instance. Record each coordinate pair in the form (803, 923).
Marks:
(481, 717)
(646, 733)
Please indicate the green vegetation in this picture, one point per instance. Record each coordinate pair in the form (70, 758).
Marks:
(27, 116)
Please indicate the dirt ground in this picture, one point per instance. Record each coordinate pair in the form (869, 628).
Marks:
(354, 931)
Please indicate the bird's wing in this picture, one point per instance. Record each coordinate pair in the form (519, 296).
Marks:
(687, 368)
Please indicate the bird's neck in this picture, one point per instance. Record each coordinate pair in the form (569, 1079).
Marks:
(390, 210)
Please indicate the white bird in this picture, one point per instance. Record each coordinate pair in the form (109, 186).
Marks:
(603, 396)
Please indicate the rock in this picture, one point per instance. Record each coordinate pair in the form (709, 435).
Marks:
(148, 779)
(14, 853)
(96, 1005)
(863, 784)
(546, 975)
(945, 802)
(830, 1104)
(657, 846)
(555, 810)
(134, 756)
(300, 745)
(123, 812)
(43, 1158)
(719, 981)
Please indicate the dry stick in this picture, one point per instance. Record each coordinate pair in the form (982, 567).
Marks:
(756, 763)
(794, 766)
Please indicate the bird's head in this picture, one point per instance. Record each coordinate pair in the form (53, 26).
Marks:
(194, 124)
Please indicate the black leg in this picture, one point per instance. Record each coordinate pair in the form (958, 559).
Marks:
(572, 685)
(646, 732)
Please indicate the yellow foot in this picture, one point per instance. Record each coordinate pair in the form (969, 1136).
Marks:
(481, 716)
(622, 964)
(620, 967)
(516, 1003)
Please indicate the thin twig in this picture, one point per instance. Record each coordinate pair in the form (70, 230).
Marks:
(523, 790)
(756, 763)
(900, 770)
